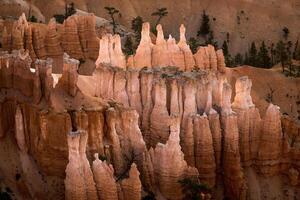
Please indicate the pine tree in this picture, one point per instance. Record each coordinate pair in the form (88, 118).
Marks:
(281, 54)
(289, 56)
(273, 54)
(225, 48)
(296, 54)
(228, 59)
(211, 40)
(128, 46)
(112, 11)
(32, 19)
(263, 56)
(193, 44)
(136, 26)
(253, 55)
(205, 27)
(160, 12)
(246, 60)
(286, 32)
(295, 50)
(238, 59)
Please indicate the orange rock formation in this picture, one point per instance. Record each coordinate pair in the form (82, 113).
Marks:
(124, 129)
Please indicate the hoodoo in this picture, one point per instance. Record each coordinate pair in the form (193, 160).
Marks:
(163, 123)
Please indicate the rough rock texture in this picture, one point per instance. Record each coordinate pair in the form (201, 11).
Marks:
(204, 150)
(249, 120)
(38, 44)
(119, 90)
(87, 35)
(131, 187)
(6, 40)
(185, 118)
(110, 52)
(125, 138)
(44, 70)
(70, 75)
(242, 99)
(142, 58)
(215, 128)
(293, 176)
(160, 56)
(271, 142)
(79, 180)
(20, 137)
(77, 37)
(176, 56)
(167, 53)
(104, 179)
(70, 38)
(188, 55)
(233, 174)
(159, 117)
(169, 165)
(52, 45)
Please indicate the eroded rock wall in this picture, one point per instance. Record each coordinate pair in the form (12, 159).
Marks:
(152, 126)
(77, 37)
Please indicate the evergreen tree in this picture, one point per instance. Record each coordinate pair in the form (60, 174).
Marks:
(33, 19)
(263, 56)
(112, 11)
(225, 49)
(128, 46)
(289, 56)
(273, 54)
(246, 60)
(205, 26)
(253, 55)
(193, 44)
(286, 32)
(136, 26)
(295, 50)
(211, 40)
(160, 12)
(281, 54)
(296, 54)
(59, 18)
(228, 59)
(238, 59)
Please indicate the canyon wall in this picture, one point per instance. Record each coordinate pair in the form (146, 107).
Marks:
(142, 125)
(76, 36)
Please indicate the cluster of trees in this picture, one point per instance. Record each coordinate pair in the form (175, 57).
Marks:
(253, 57)
(282, 52)
(205, 34)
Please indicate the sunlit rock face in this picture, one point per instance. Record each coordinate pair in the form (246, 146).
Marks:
(163, 53)
(137, 127)
(77, 37)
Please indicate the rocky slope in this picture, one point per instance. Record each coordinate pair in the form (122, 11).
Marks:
(139, 125)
